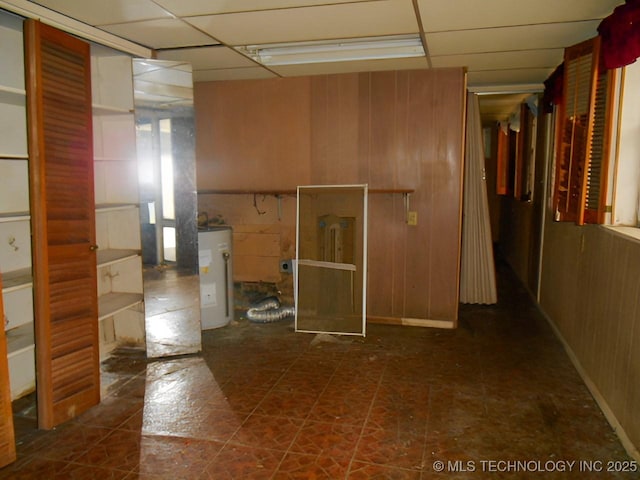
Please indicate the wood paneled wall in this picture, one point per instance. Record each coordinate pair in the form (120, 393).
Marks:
(591, 291)
(402, 130)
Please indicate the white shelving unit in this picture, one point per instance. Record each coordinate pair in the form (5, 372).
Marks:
(15, 227)
(120, 287)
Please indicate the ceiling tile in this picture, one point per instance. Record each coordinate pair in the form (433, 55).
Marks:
(210, 7)
(252, 73)
(102, 13)
(530, 37)
(502, 60)
(163, 72)
(506, 77)
(208, 57)
(165, 33)
(443, 15)
(350, 20)
(351, 67)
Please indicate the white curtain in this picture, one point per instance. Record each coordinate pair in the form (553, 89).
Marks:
(477, 274)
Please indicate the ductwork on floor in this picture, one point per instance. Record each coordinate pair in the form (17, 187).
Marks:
(269, 310)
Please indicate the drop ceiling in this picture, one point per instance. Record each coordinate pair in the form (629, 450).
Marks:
(506, 45)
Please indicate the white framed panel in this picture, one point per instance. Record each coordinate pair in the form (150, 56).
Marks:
(114, 137)
(13, 126)
(18, 307)
(15, 245)
(116, 181)
(14, 186)
(111, 77)
(118, 228)
(12, 52)
(331, 259)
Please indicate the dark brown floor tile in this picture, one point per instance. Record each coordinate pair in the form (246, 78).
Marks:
(303, 382)
(366, 471)
(317, 362)
(133, 388)
(241, 462)
(120, 450)
(400, 406)
(391, 448)
(175, 457)
(335, 440)
(134, 422)
(90, 472)
(348, 408)
(263, 431)
(237, 398)
(255, 377)
(47, 469)
(111, 412)
(33, 468)
(206, 423)
(301, 466)
(285, 406)
(72, 441)
(286, 403)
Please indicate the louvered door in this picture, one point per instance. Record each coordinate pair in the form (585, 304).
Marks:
(7, 440)
(63, 223)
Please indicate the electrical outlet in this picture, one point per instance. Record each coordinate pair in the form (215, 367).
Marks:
(412, 218)
(286, 266)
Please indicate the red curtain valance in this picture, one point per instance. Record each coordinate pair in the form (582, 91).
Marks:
(553, 89)
(620, 33)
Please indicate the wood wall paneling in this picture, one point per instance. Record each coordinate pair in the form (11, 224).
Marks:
(387, 129)
(591, 291)
(252, 134)
(334, 129)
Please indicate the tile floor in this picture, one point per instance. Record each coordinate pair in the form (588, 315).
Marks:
(263, 402)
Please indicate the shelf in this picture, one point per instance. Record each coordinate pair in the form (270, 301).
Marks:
(109, 110)
(400, 191)
(330, 265)
(112, 256)
(16, 279)
(114, 159)
(112, 207)
(12, 95)
(112, 303)
(20, 338)
(15, 217)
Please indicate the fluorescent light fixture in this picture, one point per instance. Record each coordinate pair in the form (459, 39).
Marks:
(506, 89)
(370, 48)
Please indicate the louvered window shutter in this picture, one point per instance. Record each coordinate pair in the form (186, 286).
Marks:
(579, 194)
(598, 161)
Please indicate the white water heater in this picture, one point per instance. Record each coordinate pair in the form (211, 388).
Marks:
(216, 276)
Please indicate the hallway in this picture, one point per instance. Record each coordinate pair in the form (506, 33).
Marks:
(264, 402)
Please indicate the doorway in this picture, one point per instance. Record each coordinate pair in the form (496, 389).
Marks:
(163, 97)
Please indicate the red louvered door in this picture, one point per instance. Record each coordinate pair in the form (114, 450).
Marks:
(7, 439)
(63, 223)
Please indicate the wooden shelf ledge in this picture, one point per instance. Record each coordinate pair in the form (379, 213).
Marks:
(16, 279)
(110, 256)
(112, 303)
(214, 191)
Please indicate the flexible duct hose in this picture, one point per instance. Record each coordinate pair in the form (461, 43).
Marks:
(269, 310)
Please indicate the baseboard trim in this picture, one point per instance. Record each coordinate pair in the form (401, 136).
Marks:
(598, 397)
(412, 322)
